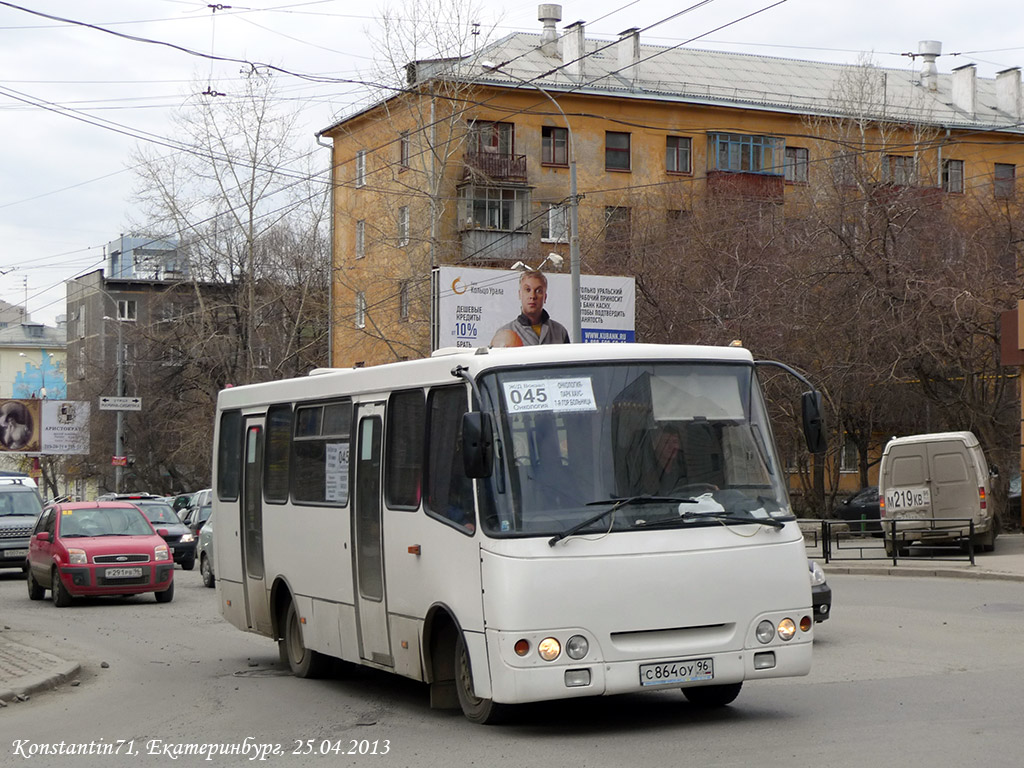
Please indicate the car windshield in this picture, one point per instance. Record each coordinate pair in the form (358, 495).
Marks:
(20, 503)
(158, 512)
(659, 442)
(102, 521)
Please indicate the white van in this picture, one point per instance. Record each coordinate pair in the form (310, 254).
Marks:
(933, 485)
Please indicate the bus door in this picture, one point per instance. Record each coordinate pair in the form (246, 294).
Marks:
(374, 640)
(257, 601)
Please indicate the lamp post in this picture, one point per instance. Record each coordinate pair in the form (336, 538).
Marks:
(119, 430)
(575, 330)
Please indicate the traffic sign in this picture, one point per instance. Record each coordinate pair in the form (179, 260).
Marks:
(120, 403)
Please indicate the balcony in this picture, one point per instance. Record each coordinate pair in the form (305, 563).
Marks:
(739, 185)
(494, 166)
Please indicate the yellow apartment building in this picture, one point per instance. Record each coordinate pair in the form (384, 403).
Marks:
(469, 162)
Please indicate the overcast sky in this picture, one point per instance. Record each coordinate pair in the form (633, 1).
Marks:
(76, 100)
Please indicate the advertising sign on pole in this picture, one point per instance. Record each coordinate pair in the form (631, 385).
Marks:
(44, 426)
(472, 304)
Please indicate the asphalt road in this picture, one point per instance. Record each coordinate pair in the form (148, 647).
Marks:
(907, 672)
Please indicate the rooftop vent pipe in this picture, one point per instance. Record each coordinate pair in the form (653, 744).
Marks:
(549, 15)
(929, 51)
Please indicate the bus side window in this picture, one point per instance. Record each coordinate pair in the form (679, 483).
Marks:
(403, 466)
(449, 490)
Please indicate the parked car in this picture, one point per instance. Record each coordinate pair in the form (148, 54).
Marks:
(196, 517)
(1013, 501)
(206, 553)
(20, 508)
(199, 499)
(861, 511)
(97, 548)
(181, 539)
(935, 489)
(182, 502)
(821, 592)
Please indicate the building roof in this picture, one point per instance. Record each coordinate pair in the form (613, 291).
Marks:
(33, 335)
(736, 80)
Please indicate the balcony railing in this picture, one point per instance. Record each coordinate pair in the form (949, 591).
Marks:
(495, 166)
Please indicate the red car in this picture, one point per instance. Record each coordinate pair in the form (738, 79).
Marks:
(97, 548)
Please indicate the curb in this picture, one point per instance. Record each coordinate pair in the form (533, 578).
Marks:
(947, 573)
(22, 687)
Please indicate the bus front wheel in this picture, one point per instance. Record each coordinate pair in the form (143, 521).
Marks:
(476, 710)
(301, 660)
(713, 695)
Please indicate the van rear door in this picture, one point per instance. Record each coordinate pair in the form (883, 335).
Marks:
(954, 480)
(905, 482)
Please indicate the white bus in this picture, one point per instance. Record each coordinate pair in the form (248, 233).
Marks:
(496, 523)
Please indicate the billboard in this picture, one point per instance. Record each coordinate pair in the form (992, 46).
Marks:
(44, 426)
(472, 303)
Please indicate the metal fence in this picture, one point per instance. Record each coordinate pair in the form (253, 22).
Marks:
(892, 540)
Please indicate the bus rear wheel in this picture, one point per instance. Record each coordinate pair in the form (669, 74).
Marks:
(476, 710)
(713, 695)
(301, 660)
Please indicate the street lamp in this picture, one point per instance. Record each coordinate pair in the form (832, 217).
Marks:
(43, 357)
(119, 431)
(574, 220)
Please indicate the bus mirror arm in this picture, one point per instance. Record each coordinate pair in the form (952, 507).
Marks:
(812, 409)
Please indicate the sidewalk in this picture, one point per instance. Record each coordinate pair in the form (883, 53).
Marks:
(25, 670)
(1006, 563)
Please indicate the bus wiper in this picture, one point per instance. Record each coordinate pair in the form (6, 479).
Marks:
(616, 504)
(725, 517)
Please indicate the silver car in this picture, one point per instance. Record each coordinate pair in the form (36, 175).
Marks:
(206, 552)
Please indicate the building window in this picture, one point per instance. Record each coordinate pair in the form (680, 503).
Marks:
(953, 176)
(616, 151)
(403, 301)
(617, 228)
(126, 310)
(501, 208)
(1005, 180)
(403, 226)
(554, 145)
(361, 168)
(797, 161)
(745, 154)
(403, 152)
(900, 170)
(360, 309)
(360, 239)
(849, 458)
(555, 226)
(491, 137)
(844, 169)
(677, 154)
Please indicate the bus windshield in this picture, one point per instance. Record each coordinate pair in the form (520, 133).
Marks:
(665, 443)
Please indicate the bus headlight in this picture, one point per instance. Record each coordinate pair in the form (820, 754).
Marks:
(787, 629)
(765, 632)
(549, 648)
(577, 647)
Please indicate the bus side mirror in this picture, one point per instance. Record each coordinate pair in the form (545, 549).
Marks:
(814, 422)
(477, 444)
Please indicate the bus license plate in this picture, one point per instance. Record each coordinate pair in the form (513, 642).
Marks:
(124, 573)
(676, 672)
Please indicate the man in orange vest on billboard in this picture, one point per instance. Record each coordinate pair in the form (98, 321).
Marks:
(534, 326)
